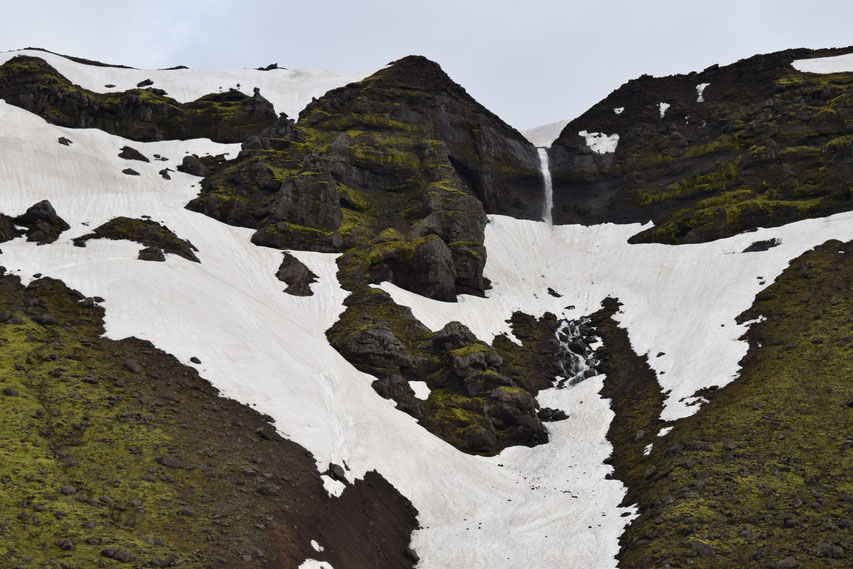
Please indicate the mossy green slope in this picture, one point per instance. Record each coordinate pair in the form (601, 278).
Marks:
(113, 452)
(761, 475)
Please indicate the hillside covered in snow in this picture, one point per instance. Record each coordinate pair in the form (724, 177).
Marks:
(275, 318)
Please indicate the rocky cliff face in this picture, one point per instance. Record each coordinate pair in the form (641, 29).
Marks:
(398, 171)
(139, 114)
(711, 154)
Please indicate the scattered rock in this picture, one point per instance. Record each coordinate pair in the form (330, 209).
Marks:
(549, 415)
(297, 276)
(133, 366)
(145, 83)
(151, 254)
(336, 471)
(195, 360)
(169, 461)
(129, 153)
(64, 141)
(758, 246)
(786, 563)
(10, 392)
(165, 173)
(130, 172)
(120, 555)
(42, 222)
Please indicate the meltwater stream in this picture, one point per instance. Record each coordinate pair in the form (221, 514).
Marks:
(549, 190)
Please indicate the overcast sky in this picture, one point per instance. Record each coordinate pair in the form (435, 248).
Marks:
(532, 62)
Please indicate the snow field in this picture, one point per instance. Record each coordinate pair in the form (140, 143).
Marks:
(836, 64)
(680, 300)
(268, 349)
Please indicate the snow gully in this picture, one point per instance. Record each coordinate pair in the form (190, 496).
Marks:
(549, 190)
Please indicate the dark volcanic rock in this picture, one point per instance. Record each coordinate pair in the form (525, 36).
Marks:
(158, 238)
(129, 153)
(137, 114)
(297, 276)
(151, 254)
(7, 229)
(309, 199)
(765, 145)
(42, 222)
(493, 161)
(473, 404)
(406, 157)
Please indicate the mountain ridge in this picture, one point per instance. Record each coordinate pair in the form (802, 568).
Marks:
(344, 371)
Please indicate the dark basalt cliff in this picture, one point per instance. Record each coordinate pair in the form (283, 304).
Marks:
(138, 114)
(768, 145)
(398, 171)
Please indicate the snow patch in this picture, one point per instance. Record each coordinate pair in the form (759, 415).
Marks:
(665, 290)
(421, 390)
(317, 547)
(599, 142)
(269, 350)
(618, 110)
(665, 431)
(314, 564)
(648, 450)
(332, 486)
(835, 64)
(662, 107)
(545, 135)
(700, 90)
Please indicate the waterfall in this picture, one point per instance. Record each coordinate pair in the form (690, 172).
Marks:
(549, 190)
(576, 353)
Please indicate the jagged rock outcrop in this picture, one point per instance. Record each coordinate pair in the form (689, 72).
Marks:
(41, 223)
(405, 151)
(297, 276)
(472, 403)
(711, 154)
(138, 114)
(154, 236)
(493, 161)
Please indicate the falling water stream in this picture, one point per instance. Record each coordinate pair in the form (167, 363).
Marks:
(549, 190)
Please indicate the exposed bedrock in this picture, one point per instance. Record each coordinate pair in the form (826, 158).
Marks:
(40, 223)
(397, 172)
(137, 114)
(711, 154)
(481, 398)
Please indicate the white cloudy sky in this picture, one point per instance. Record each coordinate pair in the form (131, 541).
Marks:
(531, 62)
